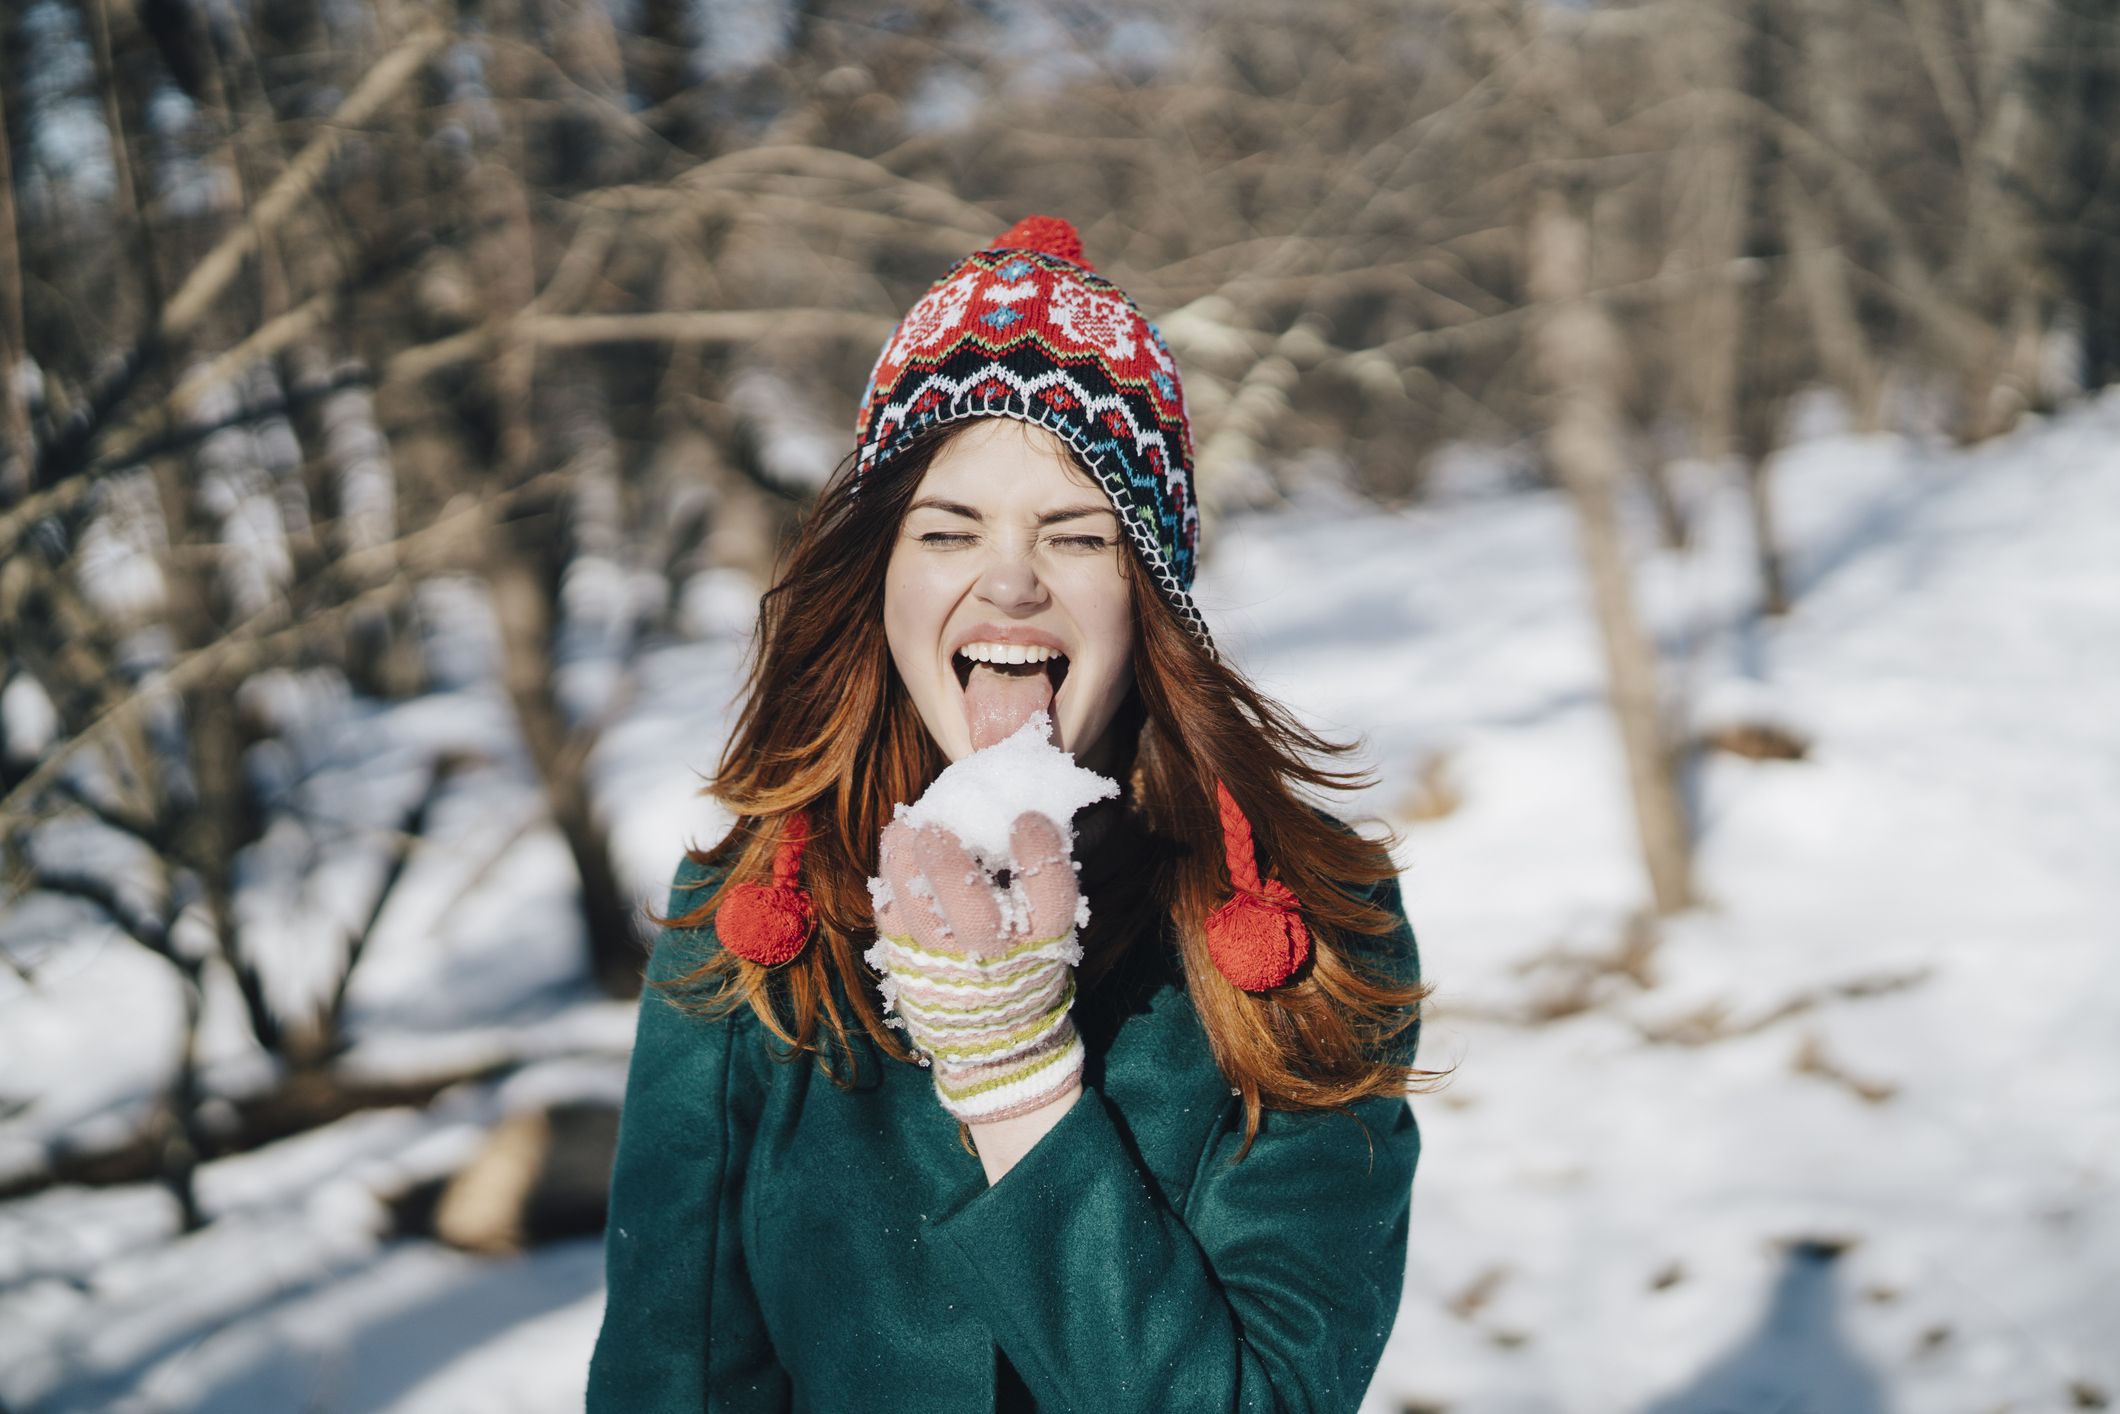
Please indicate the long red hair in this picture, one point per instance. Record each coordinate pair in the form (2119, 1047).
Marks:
(826, 727)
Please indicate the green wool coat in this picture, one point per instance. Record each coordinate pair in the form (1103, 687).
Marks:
(778, 1243)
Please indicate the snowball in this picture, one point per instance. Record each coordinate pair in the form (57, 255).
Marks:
(978, 799)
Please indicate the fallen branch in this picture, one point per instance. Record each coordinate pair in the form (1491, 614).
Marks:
(1713, 1023)
(303, 1101)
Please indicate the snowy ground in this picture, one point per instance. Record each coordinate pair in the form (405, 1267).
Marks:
(1886, 1035)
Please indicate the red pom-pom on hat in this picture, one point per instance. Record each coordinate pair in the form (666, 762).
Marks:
(768, 923)
(1257, 939)
(1048, 235)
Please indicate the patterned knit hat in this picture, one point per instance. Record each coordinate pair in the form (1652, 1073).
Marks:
(1026, 329)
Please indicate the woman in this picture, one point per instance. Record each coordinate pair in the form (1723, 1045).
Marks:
(1164, 1163)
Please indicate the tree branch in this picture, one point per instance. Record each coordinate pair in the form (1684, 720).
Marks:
(701, 326)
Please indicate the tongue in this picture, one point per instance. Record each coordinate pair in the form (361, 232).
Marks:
(997, 700)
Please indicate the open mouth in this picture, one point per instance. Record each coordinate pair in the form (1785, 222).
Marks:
(1004, 685)
(1017, 660)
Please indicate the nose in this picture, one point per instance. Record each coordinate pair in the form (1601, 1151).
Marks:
(1011, 585)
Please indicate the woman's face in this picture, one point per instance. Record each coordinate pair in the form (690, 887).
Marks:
(1005, 583)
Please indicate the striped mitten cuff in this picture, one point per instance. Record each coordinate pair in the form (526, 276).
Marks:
(995, 1028)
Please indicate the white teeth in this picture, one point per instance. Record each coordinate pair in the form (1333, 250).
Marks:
(1008, 653)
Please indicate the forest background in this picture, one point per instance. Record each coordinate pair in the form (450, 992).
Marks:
(390, 391)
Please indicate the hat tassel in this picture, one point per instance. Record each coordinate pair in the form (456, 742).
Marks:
(768, 923)
(1257, 939)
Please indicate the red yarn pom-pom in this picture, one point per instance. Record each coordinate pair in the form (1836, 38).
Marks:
(764, 923)
(767, 923)
(1258, 940)
(1048, 235)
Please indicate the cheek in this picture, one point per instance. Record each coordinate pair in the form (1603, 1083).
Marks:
(904, 628)
(1104, 616)
(909, 614)
(1121, 675)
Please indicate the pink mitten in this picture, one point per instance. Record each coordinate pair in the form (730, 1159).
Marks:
(981, 976)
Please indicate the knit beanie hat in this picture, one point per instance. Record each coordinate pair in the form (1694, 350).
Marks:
(1026, 329)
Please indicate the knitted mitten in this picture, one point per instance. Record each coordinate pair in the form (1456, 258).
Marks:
(981, 977)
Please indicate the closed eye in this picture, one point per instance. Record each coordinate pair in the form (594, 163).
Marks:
(1082, 542)
(947, 538)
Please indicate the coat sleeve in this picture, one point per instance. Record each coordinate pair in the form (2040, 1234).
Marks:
(682, 1329)
(1275, 1289)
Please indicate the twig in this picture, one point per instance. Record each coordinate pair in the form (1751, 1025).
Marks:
(702, 326)
(210, 278)
(211, 275)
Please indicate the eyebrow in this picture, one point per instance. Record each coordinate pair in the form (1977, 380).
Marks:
(958, 508)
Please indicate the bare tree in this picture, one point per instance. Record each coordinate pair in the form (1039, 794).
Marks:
(1578, 351)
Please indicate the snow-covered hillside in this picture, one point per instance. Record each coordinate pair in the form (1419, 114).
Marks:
(1846, 1139)
(1894, 1025)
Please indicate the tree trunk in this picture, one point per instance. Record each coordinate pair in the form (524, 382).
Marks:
(16, 450)
(2083, 87)
(1836, 324)
(1766, 546)
(523, 604)
(526, 561)
(1672, 531)
(1578, 351)
(177, 1156)
(1768, 366)
(1711, 175)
